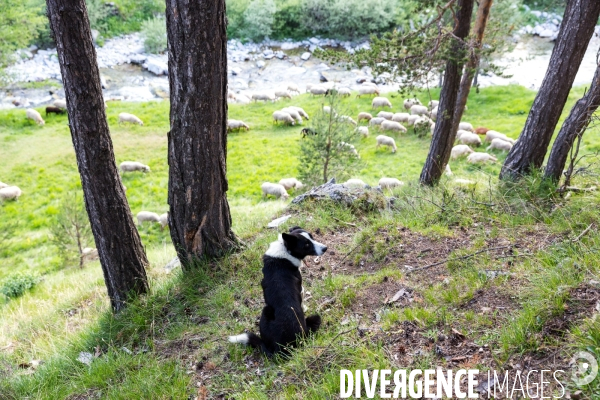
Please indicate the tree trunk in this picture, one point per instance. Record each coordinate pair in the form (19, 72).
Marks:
(199, 213)
(574, 126)
(119, 246)
(446, 125)
(575, 32)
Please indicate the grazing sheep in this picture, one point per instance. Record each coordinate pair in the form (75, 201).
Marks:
(300, 111)
(292, 87)
(376, 121)
(283, 93)
(32, 114)
(460, 150)
(126, 117)
(369, 83)
(3, 185)
(400, 117)
(389, 183)
(262, 97)
(408, 103)
(234, 124)
(392, 126)
(280, 116)
(318, 91)
(54, 110)
(380, 102)
(291, 183)
(350, 148)
(10, 193)
(491, 135)
(345, 118)
(499, 144)
(308, 131)
(89, 254)
(363, 131)
(164, 220)
(327, 110)
(231, 95)
(364, 115)
(308, 87)
(274, 189)
(419, 110)
(470, 139)
(293, 113)
(432, 128)
(344, 92)
(132, 166)
(60, 103)
(434, 113)
(410, 121)
(355, 183)
(459, 133)
(465, 126)
(147, 216)
(481, 158)
(385, 114)
(383, 140)
(482, 130)
(433, 104)
(242, 99)
(448, 171)
(422, 124)
(367, 90)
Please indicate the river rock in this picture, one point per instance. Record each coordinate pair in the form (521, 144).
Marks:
(305, 56)
(366, 198)
(156, 65)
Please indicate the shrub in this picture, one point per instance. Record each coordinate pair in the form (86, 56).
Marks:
(97, 13)
(287, 20)
(17, 284)
(154, 32)
(258, 19)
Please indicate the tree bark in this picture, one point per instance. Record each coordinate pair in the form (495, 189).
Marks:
(574, 126)
(446, 125)
(119, 246)
(199, 215)
(575, 33)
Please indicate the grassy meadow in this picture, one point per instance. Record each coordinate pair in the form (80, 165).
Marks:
(171, 344)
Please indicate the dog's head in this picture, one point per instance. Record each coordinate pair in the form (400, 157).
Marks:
(299, 243)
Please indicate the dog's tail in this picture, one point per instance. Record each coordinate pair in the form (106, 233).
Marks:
(313, 322)
(247, 338)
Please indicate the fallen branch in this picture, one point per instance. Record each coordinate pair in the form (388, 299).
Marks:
(344, 222)
(458, 258)
(586, 230)
(579, 190)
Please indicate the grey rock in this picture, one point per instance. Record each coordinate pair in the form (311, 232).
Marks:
(260, 64)
(331, 191)
(314, 40)
(305, 56)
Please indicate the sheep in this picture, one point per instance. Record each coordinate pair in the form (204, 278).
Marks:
(448, 171)
(460, 150)
(365, 90)
(10, 193)
(283, 117)
(234, 124)
(89, 254)
(3, 185)
(231, 96)
(389, 183)
(343, 92)
(363, 131)
(432, 128)
(242, 99)
(262, 97)
(327, 110)
(293, 113)
(308, 87)
(369, 83)
(364, 115)
(318, 91)
(383, 140)
(300, 111)
(376, 121)
(164, 220)
(345, 118)
(32, 114)
(355, 183)
(400, 117)
(434, 113)
(408, 103)
(54, 110)
(459, 133)
(60, 103)
(482, 130)
(481, 158)
(392, 126)
(350, 148)
(132, 166)
(422, 124)
(385, 114)
(410, 121)
(499, 144)
(292, 87)
(433, 104)
(308, 131)
(126, 117)
(291, 183)
(470, 139)
(380, 102)
(491, 135)
(465, 126)
(274, 189)
(283, 93)
(147, 216)
(419, 110)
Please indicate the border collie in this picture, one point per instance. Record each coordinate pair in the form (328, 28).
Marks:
(282, 318)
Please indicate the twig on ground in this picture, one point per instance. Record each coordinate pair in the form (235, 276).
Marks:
(458, 258)
(325, 348)
(586, 230)
(351, 251)
(344, 222)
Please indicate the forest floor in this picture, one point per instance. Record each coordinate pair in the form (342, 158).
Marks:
(517, 286)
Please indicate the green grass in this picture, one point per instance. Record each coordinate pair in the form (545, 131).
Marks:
(184, 320)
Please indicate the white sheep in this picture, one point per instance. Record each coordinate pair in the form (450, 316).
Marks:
(242, 99)
(308, 87)
(369, 83)
(263, 97)
(448, 171)
(433, 104)
(231, 96)
(89, 254)
(3, 185)
(35, 116)
(60, 103)
(418, 109)
(434, 113)
(367, 90)
(491, 135)
(293, 113)
(292, 87)
(300, 111)
(344, 92)
(383, 140)
(126, 117)
(459, 133)
(363, 131)
(380, 102)
(355, 183)
(432, 128)
(410, 121)
(347, 119)
(350, 148)
(385, 114)
(400, 117)
(392, 126)
(291, 183)
(422, 124)
(364, 115)
(234, 124)
(376, 121)
(147, 216)
(10, 193)
(389, 183)
(283, 93)
(163, 220)
(280, 116)
(132, 166)
(327, 110)
(465, 126)
(460, 150)
(318, 90)
(408, 103)
(481, 158)
(274, 189)
(499, 144)
(470, 139)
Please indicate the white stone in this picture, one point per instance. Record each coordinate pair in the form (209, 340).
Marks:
(305, 56)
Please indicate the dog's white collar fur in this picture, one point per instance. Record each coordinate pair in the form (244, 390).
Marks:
(278, 250)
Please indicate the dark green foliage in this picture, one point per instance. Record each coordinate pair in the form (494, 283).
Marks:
(17, 284)
(19, 25)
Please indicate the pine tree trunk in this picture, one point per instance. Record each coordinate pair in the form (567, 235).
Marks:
(574, 126)
(200, 220)
(575, 33)
(446, 125)
(119, 246)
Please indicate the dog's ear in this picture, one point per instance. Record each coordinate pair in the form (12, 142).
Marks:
(293, 228)
(289, 239)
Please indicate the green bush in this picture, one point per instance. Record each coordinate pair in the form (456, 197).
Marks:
(97, 14)
(154, 33)
(258, 19)
(287, 20)
(17, 284)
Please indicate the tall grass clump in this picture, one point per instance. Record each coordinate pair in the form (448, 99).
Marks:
(154, 33)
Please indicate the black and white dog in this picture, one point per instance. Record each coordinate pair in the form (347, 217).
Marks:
(282, 319)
